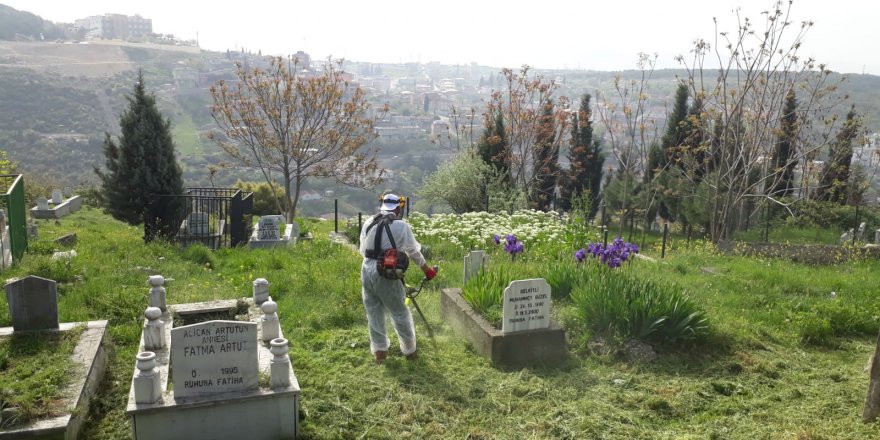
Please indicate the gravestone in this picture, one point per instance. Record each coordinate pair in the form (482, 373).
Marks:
(526, 306)
(473, 262)
(42, 203)
(214, 357)
(268, 227)
(877, 236)
(847, 236)
(872, 403)
(33, 303)
(197, 223)
(68, 191)
(860, 235)
(57, 197)
(66, 239)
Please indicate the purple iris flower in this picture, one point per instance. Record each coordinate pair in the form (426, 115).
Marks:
(614, 255)
(496, 238)
(580, 255)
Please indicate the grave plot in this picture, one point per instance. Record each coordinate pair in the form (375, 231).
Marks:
(72, 373)
(527, 335)
(213, 378)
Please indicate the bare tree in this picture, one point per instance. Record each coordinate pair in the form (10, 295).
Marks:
(521, 105)
(742, 102)
(630, 130)
(292, 125)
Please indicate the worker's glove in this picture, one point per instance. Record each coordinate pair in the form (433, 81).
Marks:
(430, 273)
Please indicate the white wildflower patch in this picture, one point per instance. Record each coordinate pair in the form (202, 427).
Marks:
(475, 229)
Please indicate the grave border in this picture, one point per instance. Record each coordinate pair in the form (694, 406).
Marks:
(527, 348)
(90, 360)
(164, 419)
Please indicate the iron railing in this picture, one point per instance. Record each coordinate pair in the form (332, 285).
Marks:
(214, 217)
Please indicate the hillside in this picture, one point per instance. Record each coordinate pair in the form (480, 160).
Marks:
(57, 100)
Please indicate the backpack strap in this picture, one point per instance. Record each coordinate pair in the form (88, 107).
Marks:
(385, 220)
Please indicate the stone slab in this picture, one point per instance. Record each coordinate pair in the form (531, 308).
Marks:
(90, 361)
(214, 357)
(526, 306)
(222, 305)
(285, 240)
(535, 347)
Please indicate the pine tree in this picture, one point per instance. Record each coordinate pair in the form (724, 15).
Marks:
(546, 166)
(833, 186)
(142, 162)
(783, 183)
(584, 175)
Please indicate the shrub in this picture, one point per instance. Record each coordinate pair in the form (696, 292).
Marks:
(620, 305)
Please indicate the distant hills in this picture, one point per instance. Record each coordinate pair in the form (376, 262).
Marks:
(22, 25)
(58, 98)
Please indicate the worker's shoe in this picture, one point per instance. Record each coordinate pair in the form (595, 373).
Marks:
(380, 356)
(412, 356)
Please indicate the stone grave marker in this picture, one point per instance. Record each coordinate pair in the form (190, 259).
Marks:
(268, 227)
(872, 403)
(68, 191)
(57, 197)
(197, 223)
(526, 306)
(66, 239)
(473, 262)
(860, 234)
(214, 357)
(847, 236)
(42, 203)
(33, 303)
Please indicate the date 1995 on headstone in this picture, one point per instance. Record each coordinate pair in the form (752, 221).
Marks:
(214, 357)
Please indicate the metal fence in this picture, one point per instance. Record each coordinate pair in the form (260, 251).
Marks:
(12, 200)
(214, 217)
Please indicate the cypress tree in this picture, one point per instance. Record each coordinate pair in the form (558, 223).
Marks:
(783, 183)
(675, 134)
(833, 186)
(141, 162)
(586, 161)
(546, 166)
(493, 147)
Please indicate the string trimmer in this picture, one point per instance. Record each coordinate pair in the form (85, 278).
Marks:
(412, 293)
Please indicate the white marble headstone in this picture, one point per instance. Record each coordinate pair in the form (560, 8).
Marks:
(42, 203)
(268, 227)
(526, 306)
(197, 223)
(214, 357)
(473, 262)
(57, 197)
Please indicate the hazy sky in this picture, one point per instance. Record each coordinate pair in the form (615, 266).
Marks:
(604, 35)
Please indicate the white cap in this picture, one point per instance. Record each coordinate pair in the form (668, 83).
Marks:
(390, 202)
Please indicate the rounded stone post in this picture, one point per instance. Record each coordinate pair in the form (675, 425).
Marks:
(154, 329)
(280, 364)
(147, 387)
(271, 327)
(157, 291)
(261, 290)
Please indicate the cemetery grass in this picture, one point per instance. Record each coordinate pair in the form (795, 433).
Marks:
(756, 377)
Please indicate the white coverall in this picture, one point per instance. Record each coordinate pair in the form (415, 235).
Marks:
(380, 293)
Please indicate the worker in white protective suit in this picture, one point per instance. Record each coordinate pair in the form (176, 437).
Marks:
(381, 293)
